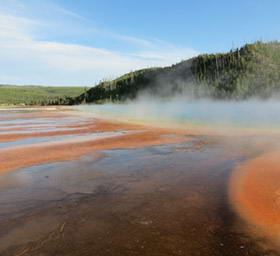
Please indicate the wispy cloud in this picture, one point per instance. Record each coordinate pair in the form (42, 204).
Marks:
(130, 39)
(72, 14)
(26, 60)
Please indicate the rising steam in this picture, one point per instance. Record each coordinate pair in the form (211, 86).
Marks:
(255, 113)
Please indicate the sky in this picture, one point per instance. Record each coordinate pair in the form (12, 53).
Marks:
(81, 42)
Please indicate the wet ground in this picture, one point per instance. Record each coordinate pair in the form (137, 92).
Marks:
(170, 198)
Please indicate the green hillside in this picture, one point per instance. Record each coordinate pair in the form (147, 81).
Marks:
(36, 95)
(253, 70)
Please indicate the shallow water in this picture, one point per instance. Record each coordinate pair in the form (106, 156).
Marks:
(135, 190)
(37, 129)
(156, 200)
(64, 138)
(160, 200)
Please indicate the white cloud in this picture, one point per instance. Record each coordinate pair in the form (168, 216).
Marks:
(26, 60)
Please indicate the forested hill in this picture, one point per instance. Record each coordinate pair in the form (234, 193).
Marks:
(253, 70)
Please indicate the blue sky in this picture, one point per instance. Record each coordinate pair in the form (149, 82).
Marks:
(71, 42)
